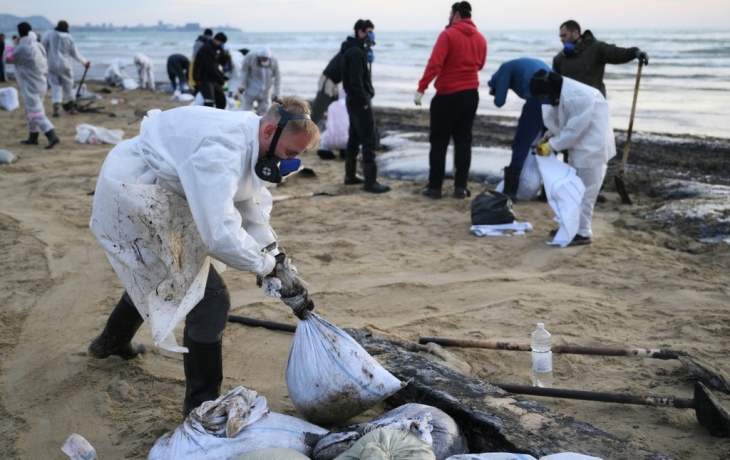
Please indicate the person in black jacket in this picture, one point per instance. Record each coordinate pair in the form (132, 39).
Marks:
(177, 71)
(2, 54)
(359, 88)
(207, 74)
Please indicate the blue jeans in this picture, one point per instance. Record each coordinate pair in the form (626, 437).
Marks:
(528, 127)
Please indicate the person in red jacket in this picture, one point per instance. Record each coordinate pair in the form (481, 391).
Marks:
(459, 54)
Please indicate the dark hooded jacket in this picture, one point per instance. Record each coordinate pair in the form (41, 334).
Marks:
(205, 66)
(588, 62)
(355, 73)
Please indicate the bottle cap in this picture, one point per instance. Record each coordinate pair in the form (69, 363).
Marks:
(541, 325)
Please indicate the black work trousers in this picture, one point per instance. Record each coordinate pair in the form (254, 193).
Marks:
(452, 116)
(213, 95)
(362, 131)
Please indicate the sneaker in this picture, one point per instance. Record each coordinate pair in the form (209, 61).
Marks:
(431, 193)
(579, 240)
(461, 192)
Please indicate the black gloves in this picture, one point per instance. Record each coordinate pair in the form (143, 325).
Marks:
(642, 57)
(293, 294)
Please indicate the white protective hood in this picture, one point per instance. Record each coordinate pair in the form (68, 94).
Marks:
(581, 124)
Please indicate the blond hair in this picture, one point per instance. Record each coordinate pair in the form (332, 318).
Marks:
(298, 106)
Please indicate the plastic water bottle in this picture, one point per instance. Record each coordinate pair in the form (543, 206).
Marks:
(542, 357)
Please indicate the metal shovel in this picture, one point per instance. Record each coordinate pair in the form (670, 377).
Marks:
(619, 179)
(710, 414)
(704, 371)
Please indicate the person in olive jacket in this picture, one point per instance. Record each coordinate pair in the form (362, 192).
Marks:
(584, 58)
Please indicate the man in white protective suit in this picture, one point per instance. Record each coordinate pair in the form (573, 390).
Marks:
(144, 70)
(189, 189)
(261, 76)
(31, 72)
(577, 119)
(60, 48)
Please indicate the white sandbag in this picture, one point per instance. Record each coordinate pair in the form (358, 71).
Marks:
(569, 456)
(443, 434)
(198, 99)
(130, 83)
(177, 96)
(272, 454)
(90, 134)
(85, 93)
(564, 190)
(492, 456)
(530, 180)
(337, 126)
(330, 377)
(385, 444)
(9, 98)
(7, 157)
(234, 424)
(78, 448)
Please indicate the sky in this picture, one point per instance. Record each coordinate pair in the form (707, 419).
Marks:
(387, 15)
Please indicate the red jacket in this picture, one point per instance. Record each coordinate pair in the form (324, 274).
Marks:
(458, 55)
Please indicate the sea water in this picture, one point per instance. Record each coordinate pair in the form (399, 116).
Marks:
(684, 90)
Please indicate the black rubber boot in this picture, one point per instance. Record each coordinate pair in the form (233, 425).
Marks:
(351, 177)
(116, 339)
(56, 106)
(32, 139)
(370, 170)
(52, 139)
(203, 365)
(511, 182)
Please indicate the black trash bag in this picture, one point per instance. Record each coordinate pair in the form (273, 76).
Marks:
(491, 208)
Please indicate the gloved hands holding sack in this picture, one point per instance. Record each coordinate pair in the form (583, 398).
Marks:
(284, 282)
(543, 149)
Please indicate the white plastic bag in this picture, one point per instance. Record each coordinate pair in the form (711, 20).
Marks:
(177, 96)
(530, 180)
(9, 98)
(90, 134)
(234, 424)
(130, 83)
(337, 126)
(330, 377)
(492, 456)
(7, 157)
(78, 448)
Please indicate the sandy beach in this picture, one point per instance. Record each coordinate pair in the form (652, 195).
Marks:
(398, 265)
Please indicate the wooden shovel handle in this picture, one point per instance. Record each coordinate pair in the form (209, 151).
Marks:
(627, 144)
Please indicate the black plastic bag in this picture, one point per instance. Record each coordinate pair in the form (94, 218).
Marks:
(491, 208)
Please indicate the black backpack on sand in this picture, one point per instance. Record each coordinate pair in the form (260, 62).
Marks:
(491, 208)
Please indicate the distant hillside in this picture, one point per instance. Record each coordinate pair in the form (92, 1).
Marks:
(9, 23)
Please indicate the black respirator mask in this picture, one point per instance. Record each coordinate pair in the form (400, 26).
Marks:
(270, 167)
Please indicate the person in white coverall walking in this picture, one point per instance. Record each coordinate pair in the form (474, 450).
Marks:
(31, 72)
(577, 119)
(60, 48)
(188, 188)
(145, 72)
(261, 76)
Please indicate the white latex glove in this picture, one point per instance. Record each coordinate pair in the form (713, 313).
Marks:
(417, 98)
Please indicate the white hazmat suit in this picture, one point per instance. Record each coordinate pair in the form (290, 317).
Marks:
(115, 74)
(260, 75)
(31, 71)
(174, 196)
(60, 48)
(581, 124)
(145, 71)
